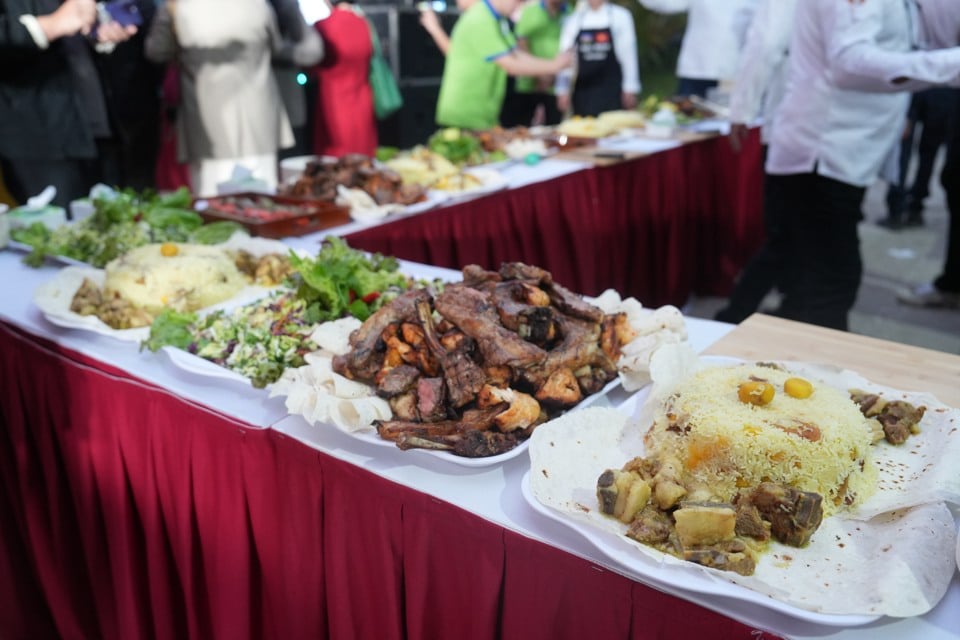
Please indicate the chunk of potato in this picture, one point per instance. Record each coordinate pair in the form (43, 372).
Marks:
(637, 497)
(703, 524)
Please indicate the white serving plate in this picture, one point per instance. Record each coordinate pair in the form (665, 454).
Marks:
(53, 297)
(192, 363)
(491, 180)
(926, 524)
(434, 199)
(19, 246)
(370, 436)
(675, 575)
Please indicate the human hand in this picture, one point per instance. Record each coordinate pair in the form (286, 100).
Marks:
(114, 32)
(738, 133)
(563, 102)
(71, 17)
(563, 60)
(628, 100)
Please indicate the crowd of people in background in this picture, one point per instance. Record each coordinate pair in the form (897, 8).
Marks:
(84, 99)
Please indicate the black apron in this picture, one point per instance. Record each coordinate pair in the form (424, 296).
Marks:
(599, 77)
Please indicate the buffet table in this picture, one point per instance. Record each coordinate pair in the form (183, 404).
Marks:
(139, 500)
(660, 227)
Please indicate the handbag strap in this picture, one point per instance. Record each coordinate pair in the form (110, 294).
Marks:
(374, 38)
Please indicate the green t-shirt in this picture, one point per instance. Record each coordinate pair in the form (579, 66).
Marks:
(473, 85)
(542, 33)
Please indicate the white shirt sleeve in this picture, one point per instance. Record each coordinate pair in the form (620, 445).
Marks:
(668, 6)
(33, 27)
(860, 63)
(625, 48)
(768, 40)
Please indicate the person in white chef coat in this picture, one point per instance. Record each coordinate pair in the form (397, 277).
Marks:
(940, 22)
(710, 50)
(759, 87)
(605, 76)
(852, 63)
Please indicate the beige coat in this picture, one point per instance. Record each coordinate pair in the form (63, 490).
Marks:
(230, 105)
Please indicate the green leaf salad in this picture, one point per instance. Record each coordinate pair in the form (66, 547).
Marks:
(121, 222)
(462, 147)
(342, 281)
(258, 340)
(262, 339)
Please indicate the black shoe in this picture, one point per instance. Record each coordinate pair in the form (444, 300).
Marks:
(914, 210)
(893, 224)
(914, 220)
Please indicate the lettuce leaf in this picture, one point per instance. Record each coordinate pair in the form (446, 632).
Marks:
(342, 281)
(170, 328)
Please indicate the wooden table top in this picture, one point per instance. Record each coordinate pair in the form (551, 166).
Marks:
(900, 366)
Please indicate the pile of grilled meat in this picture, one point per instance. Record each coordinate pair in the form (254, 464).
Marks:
(355, 171)
(474, 369)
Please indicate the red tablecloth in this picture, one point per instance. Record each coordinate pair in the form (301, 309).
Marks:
(127, 512)
(659, 228)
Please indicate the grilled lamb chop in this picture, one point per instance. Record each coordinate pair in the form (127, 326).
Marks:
(573, 304)
(441, 431)
(476, 277)
(476, 316)
(579, 347)
(431, 399)
(362, 361)
(464, 378)
(397, 380)
(525, 309)
(561, 297)
(481, 444)
(472, 444)
(521, 271)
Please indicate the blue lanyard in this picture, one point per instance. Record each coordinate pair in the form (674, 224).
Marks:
(505, 29)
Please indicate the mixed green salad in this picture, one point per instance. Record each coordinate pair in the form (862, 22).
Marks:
(120, 222)
(260, 340)
(462, 147)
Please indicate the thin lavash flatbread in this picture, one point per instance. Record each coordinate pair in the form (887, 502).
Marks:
(891, 557)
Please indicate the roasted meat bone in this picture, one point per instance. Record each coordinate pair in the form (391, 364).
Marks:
(471, 436)
(362, 362)
(577, 351)
(475, 315)
(464, 378)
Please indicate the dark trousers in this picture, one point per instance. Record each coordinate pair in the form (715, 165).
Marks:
(930, 114)
(512, 111)
(526, 105)
(949, 280)
(822, 265)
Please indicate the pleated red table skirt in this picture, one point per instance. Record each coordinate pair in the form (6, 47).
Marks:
(659, 228)
(127, 512)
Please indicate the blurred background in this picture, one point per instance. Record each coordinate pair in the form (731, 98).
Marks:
(418, 64)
